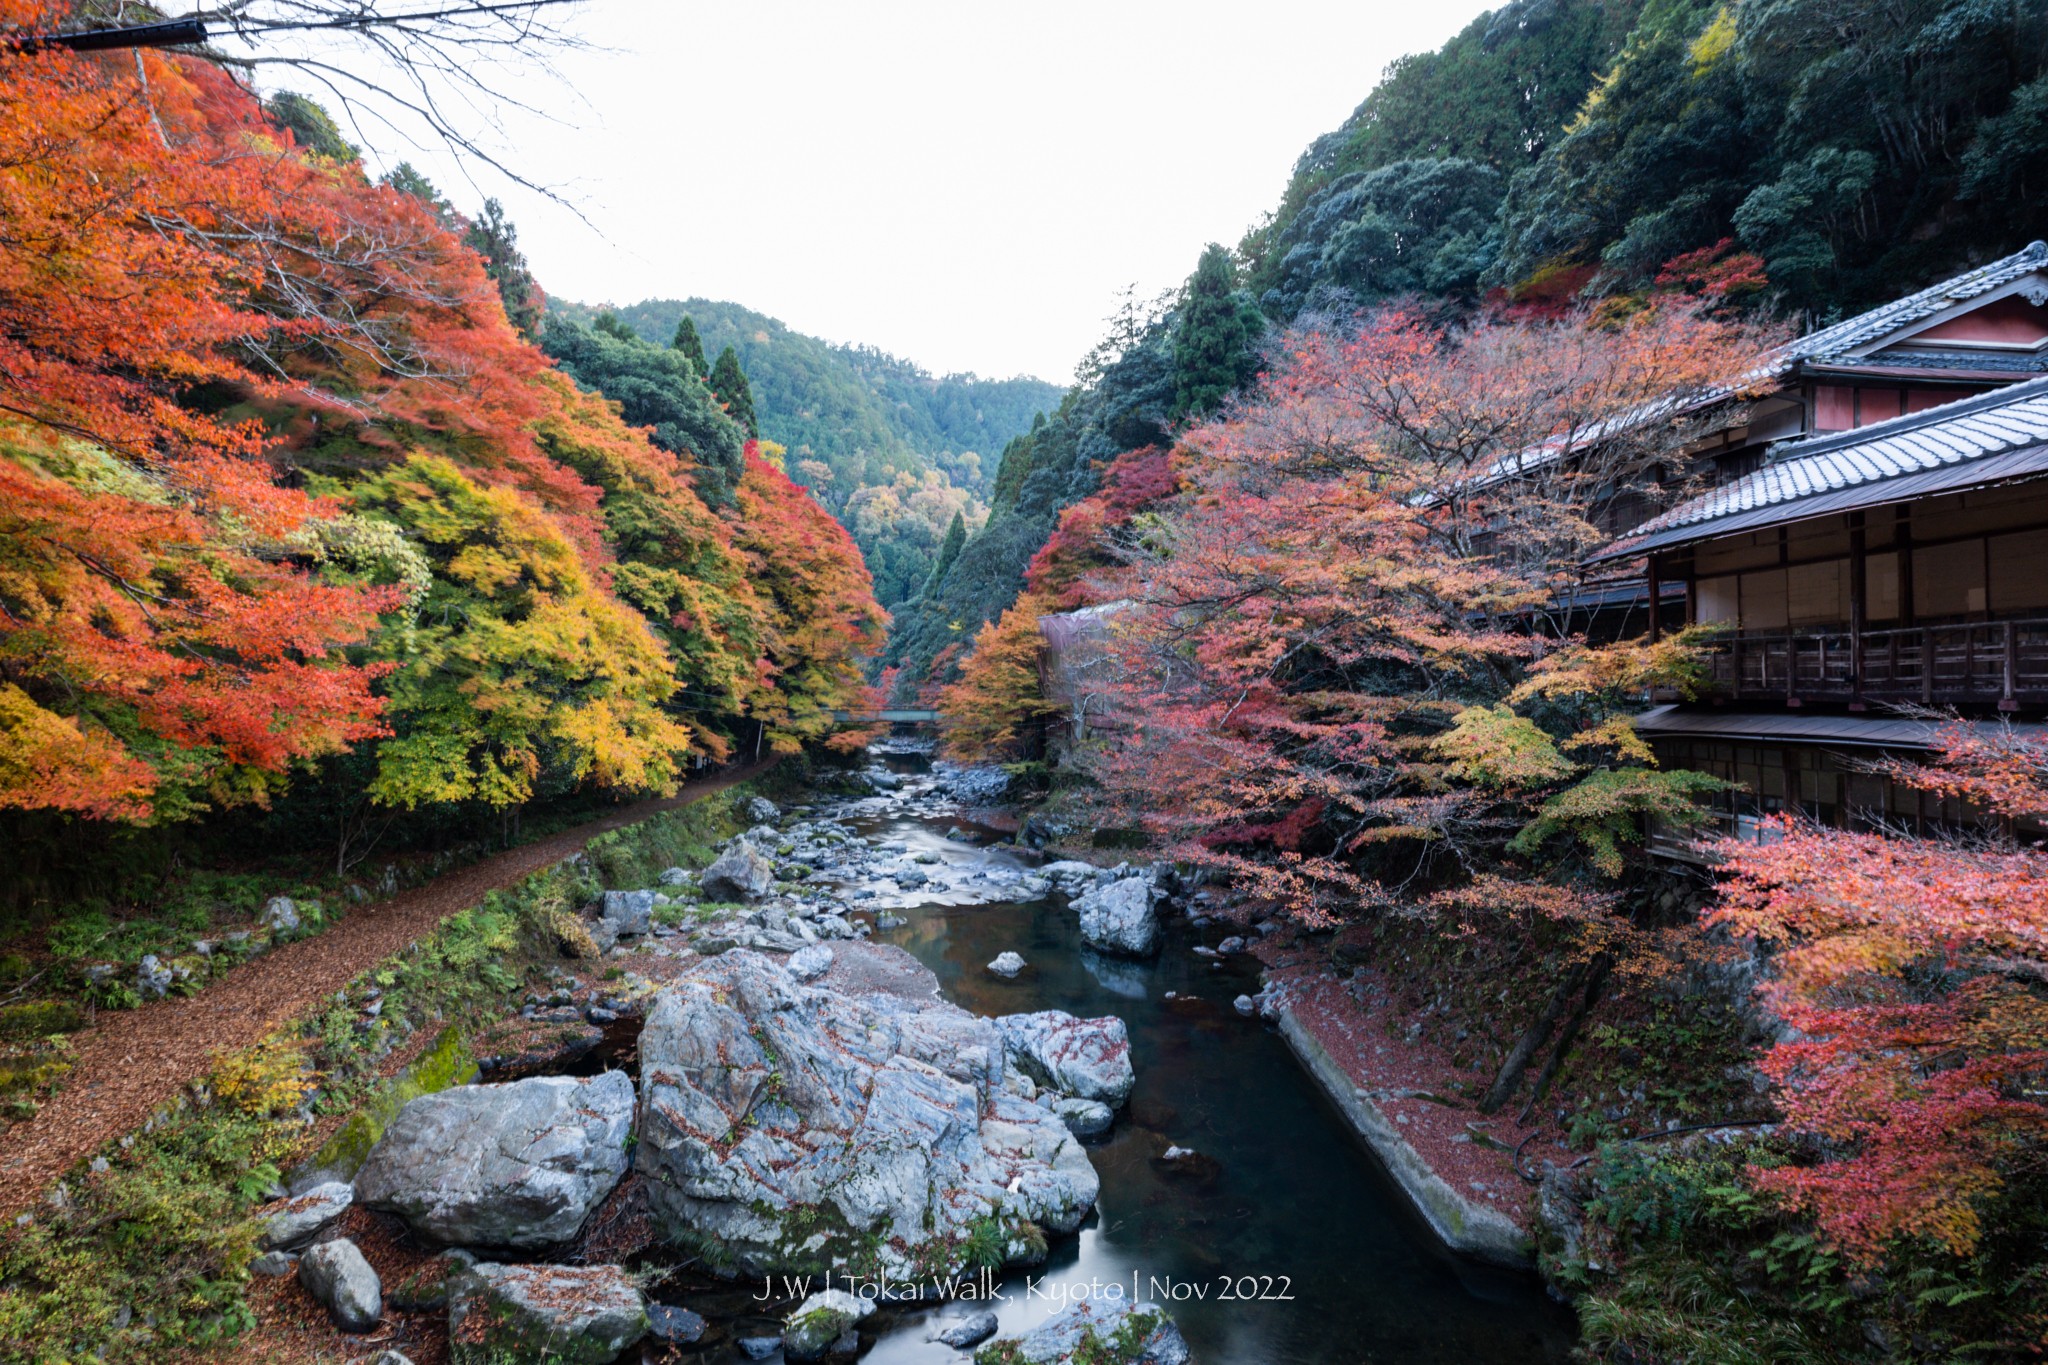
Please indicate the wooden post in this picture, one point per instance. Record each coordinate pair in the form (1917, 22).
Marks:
(2010, 701)
(1656, 598)
(1858, 609)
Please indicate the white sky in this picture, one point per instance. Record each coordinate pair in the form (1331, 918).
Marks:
(968, 185)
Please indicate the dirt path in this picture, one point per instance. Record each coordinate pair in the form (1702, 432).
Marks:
(132, 1062)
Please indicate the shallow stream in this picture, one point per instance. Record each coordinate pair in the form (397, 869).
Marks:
(1282, 1201)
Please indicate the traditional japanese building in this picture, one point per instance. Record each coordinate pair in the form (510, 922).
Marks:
(1978, 332)
(1862, 581)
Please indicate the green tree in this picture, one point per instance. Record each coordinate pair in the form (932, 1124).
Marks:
(949, 550)
(692, 347)
(493, 237)
(654, 387)
(729, 383)
(406, 179)
(311, 126)
(1215, 340)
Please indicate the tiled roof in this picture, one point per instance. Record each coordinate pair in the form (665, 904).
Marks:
(1997, 435)
(1865, 328)
(1827, 347)
(1808, 726)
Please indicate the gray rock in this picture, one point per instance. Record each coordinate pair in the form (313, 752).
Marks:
(762, 811)
(1069, 872)
(1084, 1118)
(759, 1348)
(1007, 964)
(628, 912)
(1233, 944)
(1118, 918)
(291, 1223)
(676, 1326)
(1086, 1058)
(882, 780)
(742, 873)
(279, 915)
(673, 876)
(801, 1128)
(821, 1320)
(808, 964)
(152, 978)
(336, 1275)
(515, 1165)
(275, 1264)
(570, 1315)
(390, 1358)
(1245, 1005)
(971, 1332)
(1092, 1322)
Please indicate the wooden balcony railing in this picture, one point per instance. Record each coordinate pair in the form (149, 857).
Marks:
(2005, 662)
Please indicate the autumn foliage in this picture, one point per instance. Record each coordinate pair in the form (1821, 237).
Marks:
(1912, 970)
(278, 481)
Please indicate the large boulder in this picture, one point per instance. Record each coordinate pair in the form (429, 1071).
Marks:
(336, 1274)
(1118, 917)
(799, 1130)
(1089, 1059)
(566, 1315)
(762, 811)
(628, 912)
(821, 1320)
(515, 1165)
(289, 1224)
(742, 873)
(1092, 1330)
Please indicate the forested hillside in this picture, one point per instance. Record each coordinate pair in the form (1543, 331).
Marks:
(895, 452)
(1819, 157)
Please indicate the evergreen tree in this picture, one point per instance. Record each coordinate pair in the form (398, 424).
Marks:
(406, 179)
(493, 237)
(1216, 338)
(949, 550)
(729, 383)
(687, 341)
(312, 127)
(608, 323)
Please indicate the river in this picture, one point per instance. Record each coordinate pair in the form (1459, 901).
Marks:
(1285, 1244)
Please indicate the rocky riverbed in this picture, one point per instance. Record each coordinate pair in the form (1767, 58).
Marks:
(808, 1115)
(878, 1082)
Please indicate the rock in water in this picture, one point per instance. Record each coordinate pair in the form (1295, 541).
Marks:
(1083, 1330)
(819, 1321)
(762, 811)
(291, 1223)
(1086, 1058)
(676, 1326)
(574, 1315)
(1084, 1118)
(628, 912)
(971, 1332)
(742, 873)
(1006, 964)
(802, 1130)
(1118, 918)
(516, 1165)
(336, 1274)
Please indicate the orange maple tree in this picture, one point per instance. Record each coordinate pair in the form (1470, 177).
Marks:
(213, 346)
(1912, 970)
